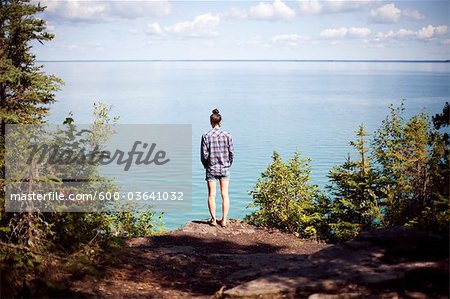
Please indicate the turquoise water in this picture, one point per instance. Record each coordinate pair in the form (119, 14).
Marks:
(313, 107)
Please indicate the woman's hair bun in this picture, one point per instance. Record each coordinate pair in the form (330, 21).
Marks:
(215, 111)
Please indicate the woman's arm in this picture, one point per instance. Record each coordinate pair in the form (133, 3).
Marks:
(230, 149)
(204, 152)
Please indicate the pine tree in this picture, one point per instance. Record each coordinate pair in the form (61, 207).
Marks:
(25, 90)
(438, 215)
(285, 198)
(355, 206)
(402, 150)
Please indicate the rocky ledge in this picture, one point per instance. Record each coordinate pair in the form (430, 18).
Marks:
(243, 261)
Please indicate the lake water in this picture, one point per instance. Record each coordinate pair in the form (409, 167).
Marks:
(313, 107)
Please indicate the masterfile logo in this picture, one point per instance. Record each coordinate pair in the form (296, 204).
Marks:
(84, 168)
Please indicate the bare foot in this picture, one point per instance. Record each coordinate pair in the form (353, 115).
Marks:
(212, 221)
(223, 222)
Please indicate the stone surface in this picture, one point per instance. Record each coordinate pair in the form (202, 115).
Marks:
(373, 261)
(243, 261)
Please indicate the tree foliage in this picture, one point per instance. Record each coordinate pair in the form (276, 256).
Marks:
(411, 155)
(26, 93)
(439, 213)
(25, 90)
(285, 198)
(354, 186)
(400, 177)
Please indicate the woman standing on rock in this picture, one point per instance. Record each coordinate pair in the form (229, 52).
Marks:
(216, 153)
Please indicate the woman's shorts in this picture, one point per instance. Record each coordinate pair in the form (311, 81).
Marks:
(211, 177)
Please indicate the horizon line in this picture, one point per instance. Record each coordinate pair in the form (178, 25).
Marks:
(250, 60)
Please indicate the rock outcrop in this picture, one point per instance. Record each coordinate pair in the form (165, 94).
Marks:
(243, 261)
(393, 262)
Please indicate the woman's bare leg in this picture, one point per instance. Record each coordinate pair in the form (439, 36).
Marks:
(225, 200)
(212, 198)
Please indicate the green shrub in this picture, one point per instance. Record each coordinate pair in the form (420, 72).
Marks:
(356, 196)
(401, 177)
(413, 163)
(286, 199)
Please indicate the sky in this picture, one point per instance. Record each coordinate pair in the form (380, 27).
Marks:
(306, 29)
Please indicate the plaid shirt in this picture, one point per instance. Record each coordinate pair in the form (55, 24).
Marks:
(217, 152)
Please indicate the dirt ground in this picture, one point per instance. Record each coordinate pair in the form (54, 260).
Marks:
(241, 260)
(197, 260)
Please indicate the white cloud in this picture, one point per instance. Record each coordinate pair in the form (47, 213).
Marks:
(135, 9)
(75, 11)
(265, 11)
(424, 34)
(334, 32)
(78, 11)
(154, 29)
(404, 33)
(343, 5)
(360, 32)
(352, 32)
(275, 11)
(413, 14)
(202, 26)
(430, 31)
(399, 34)
(236, 13)
(85, 46)
(289, 38)
(292, 40)
(255, 41)
(312, 7)
(387, 13)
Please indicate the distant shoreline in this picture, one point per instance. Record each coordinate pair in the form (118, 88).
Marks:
(247, 60)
